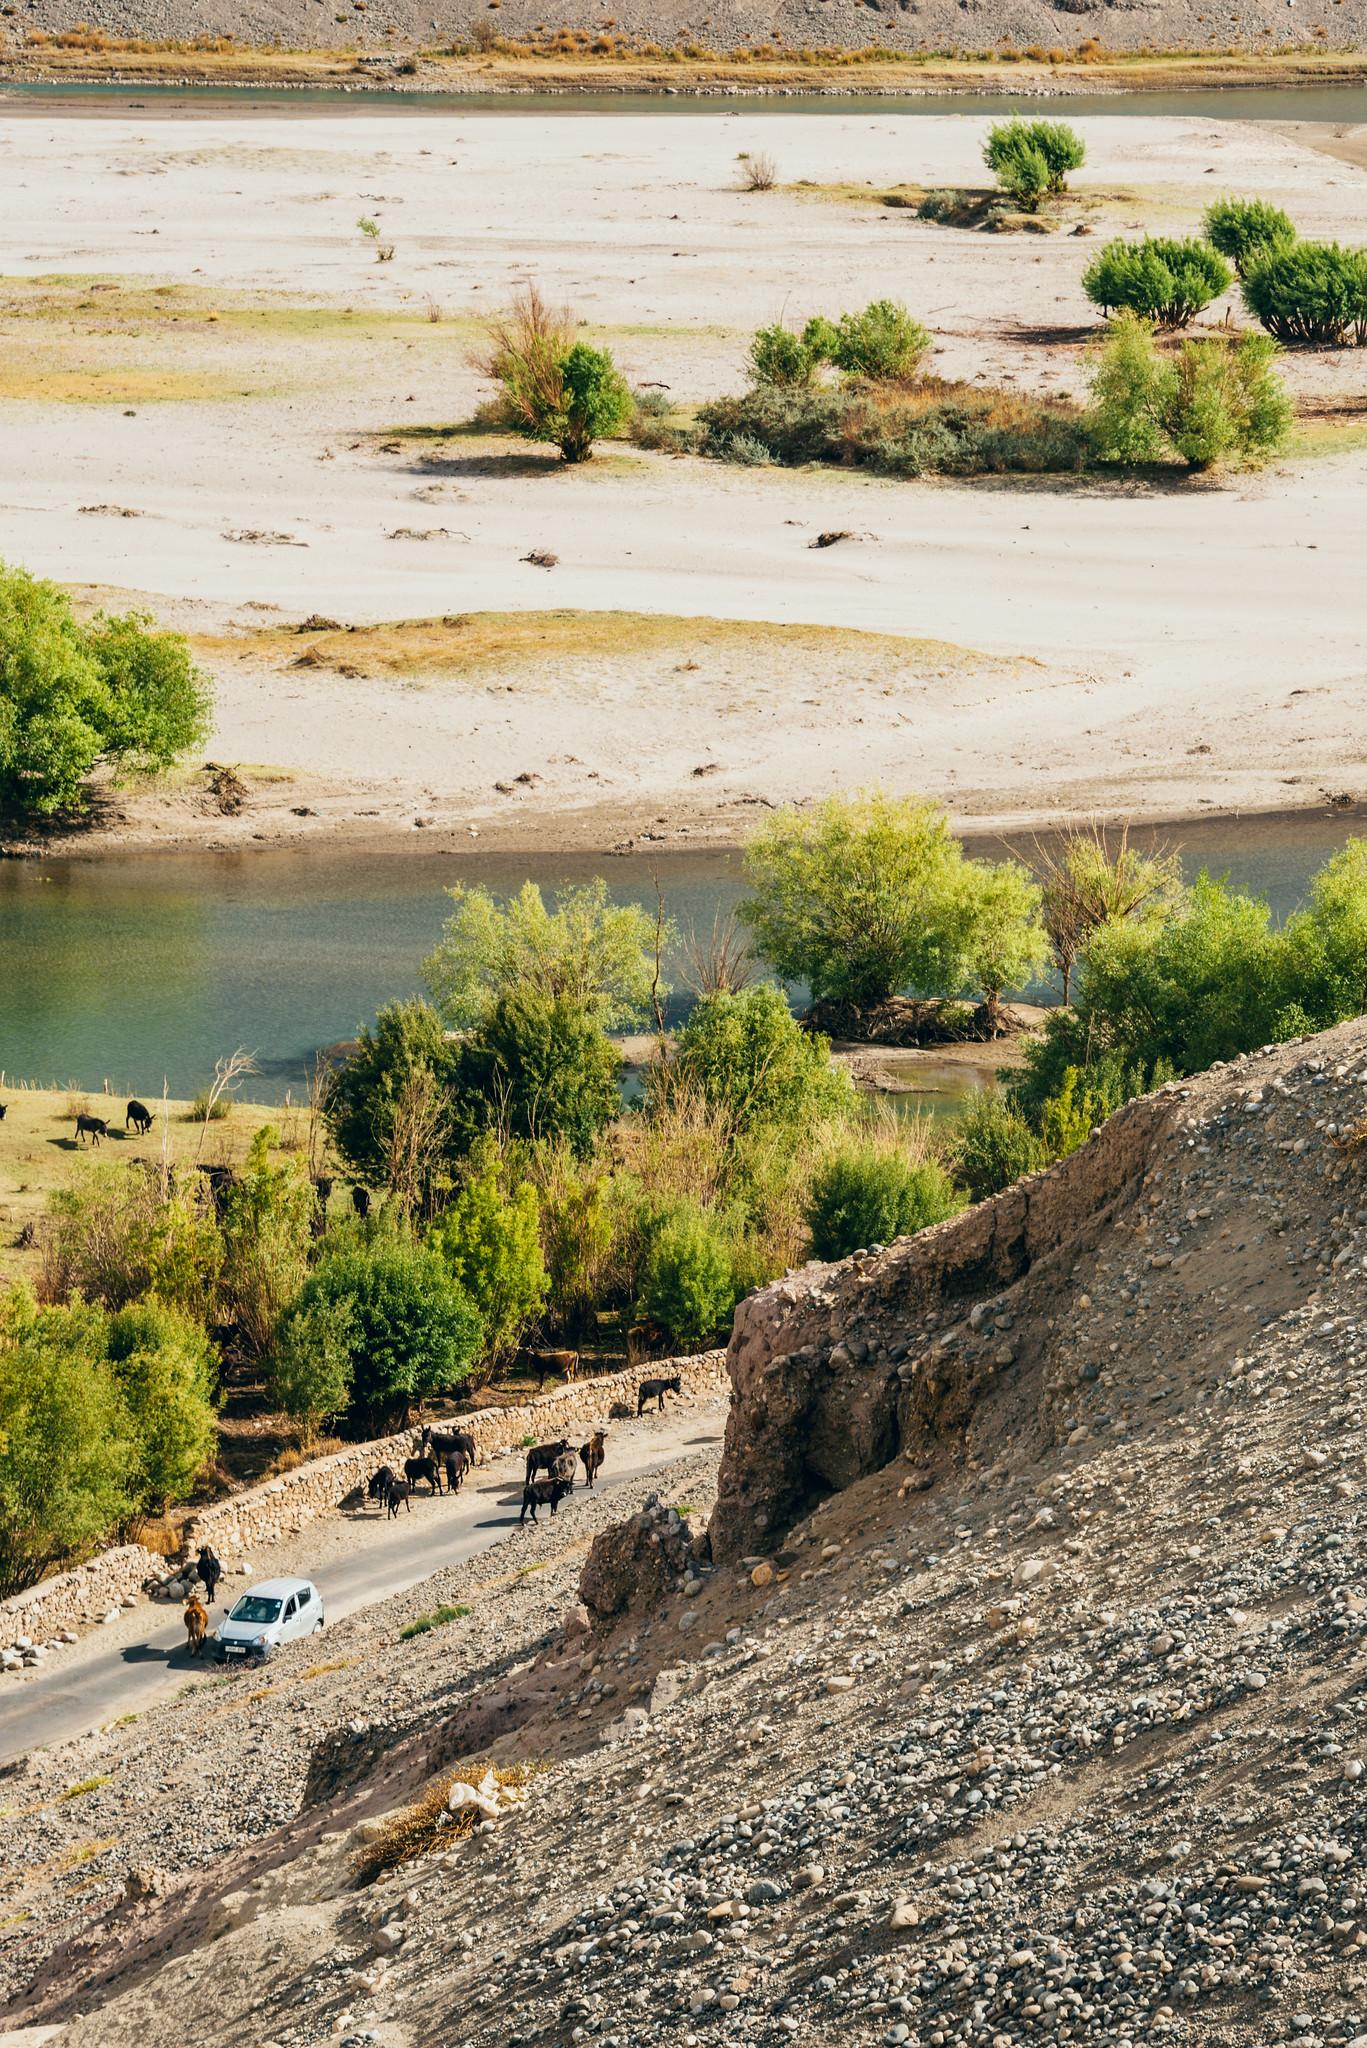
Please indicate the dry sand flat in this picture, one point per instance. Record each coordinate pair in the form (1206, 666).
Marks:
(222, 358)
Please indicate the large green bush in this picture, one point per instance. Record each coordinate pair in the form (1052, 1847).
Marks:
(688, 1281)
(1217, 398)
(994, 1146)
(1247, 231)
(412, 1329)
(1160, 278)
(1031, 158)
(883, 344)
(866, 1194)
(74, 695)
(312, 1364)
(1310, 294)
(778, 356)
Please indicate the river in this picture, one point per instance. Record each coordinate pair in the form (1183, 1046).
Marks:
(1340, 103)
(138, 968)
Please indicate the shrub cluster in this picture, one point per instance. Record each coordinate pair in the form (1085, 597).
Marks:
(1160, 278)
(1217, 399)
(882, 344)
(949, 429)
(1247, 231)
(1310, 294)
(1032, 158)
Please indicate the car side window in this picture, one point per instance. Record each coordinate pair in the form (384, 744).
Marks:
(305, 1595)
(289, 1610)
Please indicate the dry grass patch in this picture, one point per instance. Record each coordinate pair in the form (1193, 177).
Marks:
(430, 1824)
(465, 644)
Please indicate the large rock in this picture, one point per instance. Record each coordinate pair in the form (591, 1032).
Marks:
(636, 1563)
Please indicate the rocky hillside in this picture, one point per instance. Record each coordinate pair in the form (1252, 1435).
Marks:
(1021, 1700)
(942, 26)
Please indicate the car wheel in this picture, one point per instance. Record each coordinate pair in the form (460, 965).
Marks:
(318, 1626)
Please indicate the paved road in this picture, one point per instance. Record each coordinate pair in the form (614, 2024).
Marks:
(93, 1683)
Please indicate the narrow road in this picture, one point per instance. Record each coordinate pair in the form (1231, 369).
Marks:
(355, 1559)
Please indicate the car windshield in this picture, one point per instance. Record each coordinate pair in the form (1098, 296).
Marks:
(251, 1607)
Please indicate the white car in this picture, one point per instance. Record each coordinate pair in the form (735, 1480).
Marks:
(275, 1612)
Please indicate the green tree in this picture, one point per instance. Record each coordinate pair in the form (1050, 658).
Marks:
(866, 1194)
(1005, 944)
(1159, 278)
(1091, 875)
(413, 1330)
(578, 1234)
(72, 696)
(745, 1054)
(267, 1218)
(778, 356)
(312, 1364)
(491, 1240)
(164, 1369)
(1247, 231)
(585, 950)
(541, 1068)
(688, 1281)
(553, 387)
(394, 1109)
(859, 897)
(67, 1451)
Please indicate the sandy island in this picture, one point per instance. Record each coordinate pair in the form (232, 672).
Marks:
(215, 402)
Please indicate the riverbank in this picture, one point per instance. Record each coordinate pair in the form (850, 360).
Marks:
(383, 66)
(217, 405)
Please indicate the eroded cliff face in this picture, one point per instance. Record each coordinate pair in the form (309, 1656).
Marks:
(837, 1369)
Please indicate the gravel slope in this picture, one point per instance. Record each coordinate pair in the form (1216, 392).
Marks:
(1052, 1734)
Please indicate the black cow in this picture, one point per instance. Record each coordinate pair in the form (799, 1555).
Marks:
(457, 1465)
(655, 1390)
(544, 1456)
(96, 1126)
(139, 1115)
(439, 1443)
(360, 1201)
(542, 1493)
(3, 1107)
(415, 1469)
(380, 1483)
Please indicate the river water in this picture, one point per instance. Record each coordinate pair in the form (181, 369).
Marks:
(1340, 103)
(142, 968)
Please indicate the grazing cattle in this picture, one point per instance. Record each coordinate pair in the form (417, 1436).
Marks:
(592, 1454)
(139, 1115)
(565, 1363)
(439, 1443)
(644, 1341)
(360, 1201)
(545, 1455)
(415, 1469)
(96, 1127)
(457, 1465)
(655, 1390)
(396, 1491)
(196, 1624)
(380, 1483)
(542, 1493)
(3, 1107)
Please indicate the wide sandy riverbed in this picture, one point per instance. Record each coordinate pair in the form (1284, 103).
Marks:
(213, 399)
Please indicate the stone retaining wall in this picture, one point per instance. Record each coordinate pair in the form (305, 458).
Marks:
(87, 1593)
(281, 1507)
